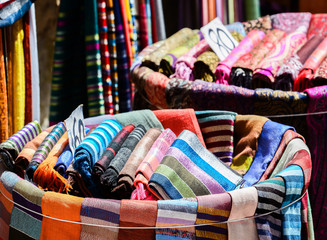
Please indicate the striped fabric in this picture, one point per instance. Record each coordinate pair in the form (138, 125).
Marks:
(101, 212)
(24, 222)
(45, 147)
(188, 169)
(176, 213)
(294, 182)
(113, 53)
(91, 148)
(135, 46)
(148, 21)
(105, 59)
(93, 60)
(143, 28)
(213, 208)
(271, 195)
(218, 129)
(10, 148)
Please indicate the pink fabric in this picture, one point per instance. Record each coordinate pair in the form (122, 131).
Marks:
(155, 87)
(291, 21)
(224, 67)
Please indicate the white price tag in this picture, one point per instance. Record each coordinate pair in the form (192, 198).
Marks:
(75, 128)
(219, 38)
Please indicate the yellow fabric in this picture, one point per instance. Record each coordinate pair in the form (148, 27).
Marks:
(18, 75)
(130, 24)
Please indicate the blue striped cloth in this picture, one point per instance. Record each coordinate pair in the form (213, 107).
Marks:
(91, 148)
(14, 11)
(294, 181)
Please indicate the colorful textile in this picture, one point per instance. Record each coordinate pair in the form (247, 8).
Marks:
(64, 160)
(289, 71)
(176, 213)
(91, 148)
(109, 179)
(127, 174)
(153, 158)
(244, 204)
(261, 23)
(320, 74)
(188, 170)
(45, 147)
(63, 207)
(236, 27)
(205, 66)
(264, 74)
(271, 195)
(291, 21)
(144, 215)
(22, 220)
(12, 12)
(247, 131)
(217, 128)
(143, 27)
(125, 11)
(10, 149)
(132, 20)
(213, 208)
(4, 118)
(115, 144)
(75, 180)
(148, 21)
(268, 142)
(310, 66)
(26, 155)
(224, 67)
(101, 212)
(161, 30)
(317, 25)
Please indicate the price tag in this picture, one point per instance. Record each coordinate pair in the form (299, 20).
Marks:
(219, 38)
(75, 127)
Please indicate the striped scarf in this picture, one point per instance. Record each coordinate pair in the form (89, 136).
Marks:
(10, 148)
(135, 46)
(14, 11)
(176, 213)
(218, 129)
(91, 148)
(189, 169)
(213, 208)
(45, 147)
(271, 194)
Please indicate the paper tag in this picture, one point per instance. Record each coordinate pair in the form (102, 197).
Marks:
(219, 38)
(75, 127)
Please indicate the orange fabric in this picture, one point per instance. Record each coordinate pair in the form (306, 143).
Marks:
(4, 128)
(180, 119)
(127, 33)
(64, 207)
(211, 9)
(46, 176)
(7, 207)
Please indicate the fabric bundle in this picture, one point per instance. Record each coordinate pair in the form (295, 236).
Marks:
(320, 75)
(291, 21)
(64, 160)
(188, 170)
(261, 23)
(205, 66)
(45, 147)
(10, 149)
(223, 69)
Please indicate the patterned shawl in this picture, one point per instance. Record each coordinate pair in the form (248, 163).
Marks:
(261, 23)
(320, 75)
(289, 22)
(318, 25)
(205, 66)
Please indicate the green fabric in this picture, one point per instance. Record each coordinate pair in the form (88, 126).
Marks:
(143, 117)
(252, 9)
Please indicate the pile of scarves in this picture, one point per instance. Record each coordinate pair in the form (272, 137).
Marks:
(191, 167)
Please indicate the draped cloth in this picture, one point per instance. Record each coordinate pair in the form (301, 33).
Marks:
(290, 21)
(4, 118)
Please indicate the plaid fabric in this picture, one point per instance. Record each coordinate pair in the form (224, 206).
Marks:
(45, 147)
(176, 213)
(105, 59)
(102, 212)
(113, 53)
(213, 208)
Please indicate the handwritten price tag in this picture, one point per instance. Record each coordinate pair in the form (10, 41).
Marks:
(75, 128)
(219, 38)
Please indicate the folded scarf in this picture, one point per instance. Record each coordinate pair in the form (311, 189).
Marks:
(247, 131)
(179, 38)
(174, 213)
(109, 179)
(45, 147)
(102, 164)
(213, 208)
(302, 82)
(291, 21)
(26, 155)
(75, 180)
(144, 215)
(91, 148)
(205, 66)
(218, 129)
(289, 71)
(318, 25)
(268, 142)
(168, 62)
(320, 75)
(224, 67)
(46, 176)
(101, 212)
(188, 170)
(265, 72)
(91, 122)
(261, 23)
(244, 204)
(151, 162)
(64, 160)
(271, 195)
(243, 68)
(10, 149)
(127, 174)
(12, 12)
